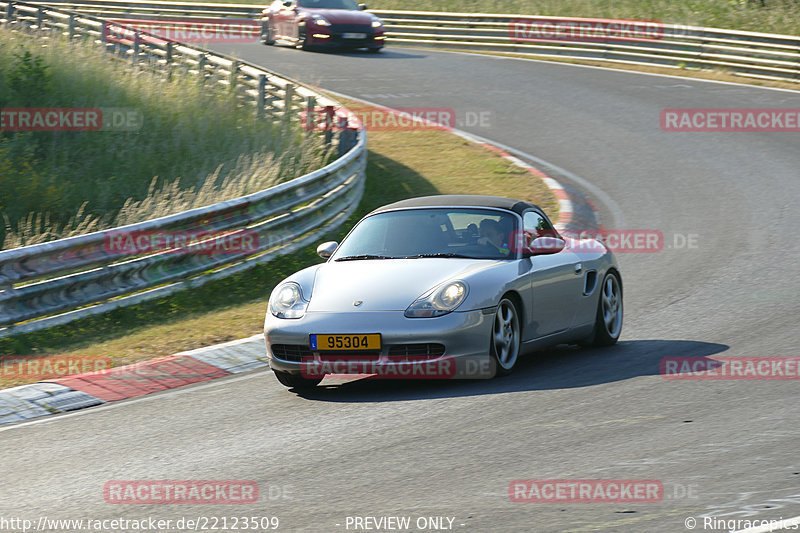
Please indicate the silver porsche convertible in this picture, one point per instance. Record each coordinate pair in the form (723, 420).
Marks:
(442, 287)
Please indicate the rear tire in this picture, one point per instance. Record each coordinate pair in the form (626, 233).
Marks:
(374, 49)
(505, 339)
(608, 321)
(293, 381)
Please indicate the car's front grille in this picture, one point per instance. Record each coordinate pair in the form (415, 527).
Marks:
(296, 352)
(417, 350)
(354, 356)
(339, 29)
(291, 352)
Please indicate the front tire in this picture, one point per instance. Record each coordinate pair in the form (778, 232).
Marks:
(505, 339)
(303, 37)
(266, 34)
(608, 321)
(293, 381)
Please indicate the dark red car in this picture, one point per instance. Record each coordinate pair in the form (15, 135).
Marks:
(321, 23)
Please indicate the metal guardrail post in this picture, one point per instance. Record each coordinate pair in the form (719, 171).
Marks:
(329, 115)
(71, 26)
(39, 19)
(797, 69)
(201, 69)
(10, 11)
(347, 137)
(136, 44)
(103, 36)
(311, 113)
(234, 75)
(287, 101)
(261, 99)
(701, 47)
(168, 60)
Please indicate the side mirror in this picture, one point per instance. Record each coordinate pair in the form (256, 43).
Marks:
(362, 7)
(287, 3)
(326, 249)
(545, 246)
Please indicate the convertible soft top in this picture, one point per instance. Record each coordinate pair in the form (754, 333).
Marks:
(467, 200)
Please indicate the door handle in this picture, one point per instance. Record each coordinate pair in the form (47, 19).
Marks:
(578, 268)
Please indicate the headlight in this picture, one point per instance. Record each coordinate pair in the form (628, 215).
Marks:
(319, 20)
(439, 301)
(286, 301)
(376, 23)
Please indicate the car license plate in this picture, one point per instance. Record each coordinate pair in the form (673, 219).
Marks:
(354, 35)
(370, 341)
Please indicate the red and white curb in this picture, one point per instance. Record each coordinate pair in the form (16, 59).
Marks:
(129, 381)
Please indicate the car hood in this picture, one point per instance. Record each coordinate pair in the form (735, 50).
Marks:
(342, 16)
(385, 284)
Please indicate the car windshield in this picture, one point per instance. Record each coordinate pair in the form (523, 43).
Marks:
(439, 232)
(328, 4)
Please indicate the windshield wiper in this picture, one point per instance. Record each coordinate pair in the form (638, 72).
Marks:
(440, 254)
(362, 256)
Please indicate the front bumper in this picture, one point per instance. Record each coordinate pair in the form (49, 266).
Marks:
(465, 337)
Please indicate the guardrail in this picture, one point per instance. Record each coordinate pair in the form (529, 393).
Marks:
(760, 55)
(56, 282)
(757, 55)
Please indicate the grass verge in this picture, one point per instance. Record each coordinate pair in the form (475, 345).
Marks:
(402, 164)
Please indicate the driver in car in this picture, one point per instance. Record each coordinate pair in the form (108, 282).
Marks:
(492, 235)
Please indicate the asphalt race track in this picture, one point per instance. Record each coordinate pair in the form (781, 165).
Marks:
(723, 450)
